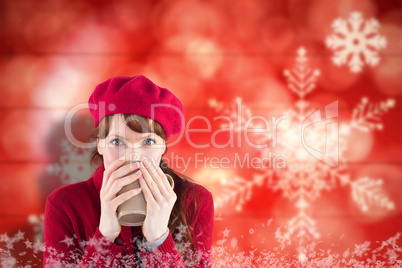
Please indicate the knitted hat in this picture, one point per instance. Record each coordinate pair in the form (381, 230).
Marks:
(140, 96)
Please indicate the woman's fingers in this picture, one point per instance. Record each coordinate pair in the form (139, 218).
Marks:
(118, 184)
(163, 176)
(124, 197)
(156, 187)
(108, 171)
(151, 191)
(146, 191)
(120, 172)
(153, 183)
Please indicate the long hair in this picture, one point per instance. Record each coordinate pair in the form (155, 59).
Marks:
(182, 183)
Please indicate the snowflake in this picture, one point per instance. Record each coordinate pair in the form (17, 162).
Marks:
(74, 164)
(313, 256)
(38, 225)
(69, 241)
(182, 228)
(355, 39)
(283, 239)
(8, 262)
(366, 191)
(237, 190)
(179, 236)
(315, 164)
(226, 232)
(361, 249)
(28, 244)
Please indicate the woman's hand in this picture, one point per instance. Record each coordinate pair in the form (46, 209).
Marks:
(113, 180)
(160, 199)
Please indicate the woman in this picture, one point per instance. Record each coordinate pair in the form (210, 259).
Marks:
(133, 120)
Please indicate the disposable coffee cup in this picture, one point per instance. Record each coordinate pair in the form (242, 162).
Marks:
(132, 212)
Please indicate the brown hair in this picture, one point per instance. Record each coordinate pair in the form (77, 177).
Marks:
(182, 183)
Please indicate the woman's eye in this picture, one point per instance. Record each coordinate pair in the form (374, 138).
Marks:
(116, 142)
(149, 141)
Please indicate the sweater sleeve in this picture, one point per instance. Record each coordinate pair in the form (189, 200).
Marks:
(152, 246)
(62, 248)
(168, 255)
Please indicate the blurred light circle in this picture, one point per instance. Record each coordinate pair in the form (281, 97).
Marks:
(393, 16)
(236, 66)
(276, 34)
(320, 100)
(24, 133)
(17, 138)
(387, 74)
(264, 92)
(61, 87)
(127, 69)
(202, 56)
(358, 145)
(94, 38)
(321, 14)
(184, 17)
(45, 30)
(213, 179)
(334, 78)
(130, 15)
(21, 75)
(173, 73)
(205, 56)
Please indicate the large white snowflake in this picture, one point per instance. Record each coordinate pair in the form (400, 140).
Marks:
(315, 155)
(355, 40)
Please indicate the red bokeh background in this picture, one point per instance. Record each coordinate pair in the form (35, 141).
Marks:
(53, 54)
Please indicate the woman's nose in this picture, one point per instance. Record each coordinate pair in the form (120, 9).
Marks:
(133, 155)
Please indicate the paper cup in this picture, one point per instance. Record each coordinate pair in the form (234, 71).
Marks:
(133, 211)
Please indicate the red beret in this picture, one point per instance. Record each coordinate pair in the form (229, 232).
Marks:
(137, 95)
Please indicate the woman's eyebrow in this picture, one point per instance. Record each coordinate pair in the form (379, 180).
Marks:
(149, 135)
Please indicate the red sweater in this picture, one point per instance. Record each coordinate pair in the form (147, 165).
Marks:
(72, 237)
